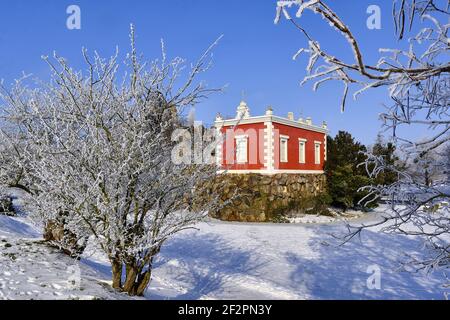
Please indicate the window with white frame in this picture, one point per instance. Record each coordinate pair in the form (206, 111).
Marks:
(317, 152)
(241, 149)
(284, 148)
(302, 150)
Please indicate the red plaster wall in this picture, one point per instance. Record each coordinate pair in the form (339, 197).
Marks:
(255, 154)
(255, 149)
(293, 148)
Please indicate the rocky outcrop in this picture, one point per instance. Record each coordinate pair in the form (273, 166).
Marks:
(263, 198)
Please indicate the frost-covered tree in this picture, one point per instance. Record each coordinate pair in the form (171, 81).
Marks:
(446, 160)
(387, 151)
(99, 147)
(418, 81)
(12, 172)
(426, 168)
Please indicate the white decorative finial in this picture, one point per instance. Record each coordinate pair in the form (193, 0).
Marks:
(291, 116)
(242, 111)
(219, 117)
(309, 121)
(269, 111)
(324, 125)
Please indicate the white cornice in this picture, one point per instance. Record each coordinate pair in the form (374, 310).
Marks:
(272, 172)
(270, 118)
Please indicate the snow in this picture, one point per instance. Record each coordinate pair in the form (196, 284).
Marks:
(286, 261)
(335, 216)
(12, 226)
(29, 269)
(225, 260)
(312, 219)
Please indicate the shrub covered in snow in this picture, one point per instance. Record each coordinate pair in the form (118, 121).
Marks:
(99, 148)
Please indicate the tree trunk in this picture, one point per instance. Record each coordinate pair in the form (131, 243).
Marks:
(143, 281)
(427, 178)
(136, 282)
(130, 281)
(116, 274)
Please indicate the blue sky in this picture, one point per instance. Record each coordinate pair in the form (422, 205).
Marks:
(255, 55)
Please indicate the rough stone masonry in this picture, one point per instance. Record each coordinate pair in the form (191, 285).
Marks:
(263, 198)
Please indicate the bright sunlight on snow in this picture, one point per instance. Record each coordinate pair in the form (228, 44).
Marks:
(224, 260)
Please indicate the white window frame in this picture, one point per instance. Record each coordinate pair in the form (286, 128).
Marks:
(302, 151)
(240, 159)
(284, 153)
(317, 156)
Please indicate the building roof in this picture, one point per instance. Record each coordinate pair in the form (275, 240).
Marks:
(243, 117)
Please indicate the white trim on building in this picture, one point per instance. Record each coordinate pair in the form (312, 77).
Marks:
(274, 119)
(219, 145)
(269, 157)
(271, 172)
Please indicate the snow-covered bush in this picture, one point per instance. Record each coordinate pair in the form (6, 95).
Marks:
(99, 148)
(12, 172)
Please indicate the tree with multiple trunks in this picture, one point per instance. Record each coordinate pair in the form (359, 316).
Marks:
(98, 147)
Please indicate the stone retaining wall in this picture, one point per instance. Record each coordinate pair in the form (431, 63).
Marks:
(262, 198)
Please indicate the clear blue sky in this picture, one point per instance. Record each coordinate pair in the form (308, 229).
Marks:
(255, 55)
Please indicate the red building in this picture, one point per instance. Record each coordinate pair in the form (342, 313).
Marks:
(270, 144)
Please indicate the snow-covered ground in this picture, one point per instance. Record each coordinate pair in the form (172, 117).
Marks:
(335, 216)
(287, 261)
(30, 269)
(225, 261)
